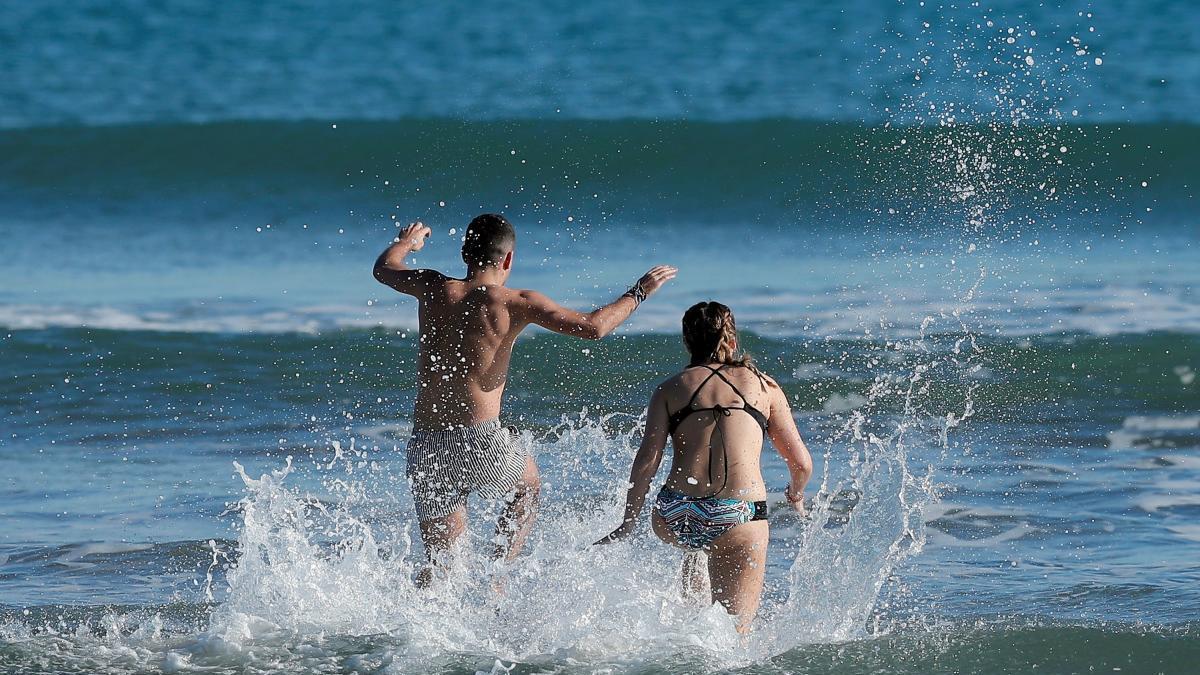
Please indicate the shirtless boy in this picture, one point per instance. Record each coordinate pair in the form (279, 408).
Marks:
(468, 327)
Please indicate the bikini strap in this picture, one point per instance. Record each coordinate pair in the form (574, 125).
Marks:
(716, 372)
(732, 386)
(746, 405)
(676, 418)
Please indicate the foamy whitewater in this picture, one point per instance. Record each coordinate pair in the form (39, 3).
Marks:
(339, 561)
(961, 238)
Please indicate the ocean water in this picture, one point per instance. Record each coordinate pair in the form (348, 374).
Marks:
(962, 236)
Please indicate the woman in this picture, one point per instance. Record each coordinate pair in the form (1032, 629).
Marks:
(716, 413)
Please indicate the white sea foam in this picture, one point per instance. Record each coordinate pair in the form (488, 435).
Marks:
(305, 569)
(947, 540)
(1156, 502)
(1189, 532)
(841, 403)
(192, 319)
(344, 565)
(1141, 430)
(836, 312)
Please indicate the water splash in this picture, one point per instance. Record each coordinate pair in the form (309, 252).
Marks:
(343, 564)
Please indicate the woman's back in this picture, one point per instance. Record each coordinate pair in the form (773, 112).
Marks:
(718, 415)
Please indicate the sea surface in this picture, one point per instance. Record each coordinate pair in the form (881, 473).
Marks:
(962, 236)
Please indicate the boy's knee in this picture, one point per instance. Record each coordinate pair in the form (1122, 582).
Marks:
(526, 491)
(531, 479)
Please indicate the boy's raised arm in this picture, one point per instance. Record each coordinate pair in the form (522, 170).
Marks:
(391, 270)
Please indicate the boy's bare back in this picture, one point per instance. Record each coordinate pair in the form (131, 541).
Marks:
(467, 334)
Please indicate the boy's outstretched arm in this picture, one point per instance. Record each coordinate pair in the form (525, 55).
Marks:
(543, 311)
(391, 270)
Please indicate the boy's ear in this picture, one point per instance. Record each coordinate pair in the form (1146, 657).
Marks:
(508, 260)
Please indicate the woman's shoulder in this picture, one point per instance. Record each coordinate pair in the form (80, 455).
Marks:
(740, 375)
(673, 381)
(678, 382)
(767, 379)
(748, 370)
(750, 375)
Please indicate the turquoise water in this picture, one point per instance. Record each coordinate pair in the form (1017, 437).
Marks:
(193, 61)
(974, 276)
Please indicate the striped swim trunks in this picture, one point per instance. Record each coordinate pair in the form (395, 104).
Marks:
(446, 466)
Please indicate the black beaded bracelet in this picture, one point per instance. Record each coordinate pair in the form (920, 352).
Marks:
(637, 293)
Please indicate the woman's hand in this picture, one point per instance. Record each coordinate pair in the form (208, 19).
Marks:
(795, 500)
(618, 534)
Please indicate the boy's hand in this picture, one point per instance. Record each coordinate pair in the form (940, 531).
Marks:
(657, 276)
(414, 236)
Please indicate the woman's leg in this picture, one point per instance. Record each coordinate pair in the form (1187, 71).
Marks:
(693, 576)
(737, 563)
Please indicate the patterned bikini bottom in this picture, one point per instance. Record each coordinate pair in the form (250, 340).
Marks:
(698, 521)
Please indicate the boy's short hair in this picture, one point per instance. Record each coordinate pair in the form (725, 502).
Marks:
(489, 238)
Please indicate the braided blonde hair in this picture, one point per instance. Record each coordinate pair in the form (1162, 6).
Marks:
(710, 334)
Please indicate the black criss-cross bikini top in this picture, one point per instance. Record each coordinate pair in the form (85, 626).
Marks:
(676, 418)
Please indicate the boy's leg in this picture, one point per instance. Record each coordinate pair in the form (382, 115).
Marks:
(438, 535)
(516, 520)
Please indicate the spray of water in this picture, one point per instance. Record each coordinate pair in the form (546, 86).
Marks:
(342, 564)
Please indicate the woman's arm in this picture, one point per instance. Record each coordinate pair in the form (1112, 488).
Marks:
(645, 465)
(781, 427)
